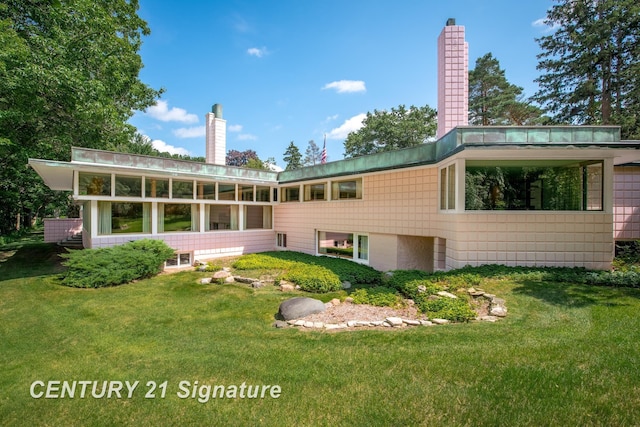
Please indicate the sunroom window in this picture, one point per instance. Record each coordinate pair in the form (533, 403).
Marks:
(94, 184)
(342, 190)
(257, 217)
(221, 217)
(123, 218)
(555, 185)
(174, 217)
(315, 192)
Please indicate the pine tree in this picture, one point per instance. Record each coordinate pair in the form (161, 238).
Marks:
(591, 64)
(292, 157)
(313, 154)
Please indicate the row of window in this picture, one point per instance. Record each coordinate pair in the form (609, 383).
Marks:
(512, 185)
(340, 190)
(132, 218)
(96, 184)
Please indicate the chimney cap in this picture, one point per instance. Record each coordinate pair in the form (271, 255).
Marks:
(451, 21)
(216, 109)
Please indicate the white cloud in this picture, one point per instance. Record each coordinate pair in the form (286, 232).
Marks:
(258, 52)
(247, 137)
(350, 125)
(193, 132)
(346, 86)
(546, 28)
(161, 112)
(164, 147)
(235, 128)
(331, 118)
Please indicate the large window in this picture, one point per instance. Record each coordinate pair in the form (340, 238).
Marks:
(156, 187)
(177, 217)
(315, 192)
(344, 245)
(557, 185)
(257, 217)
(262, 194)
(246, 193)
(127, 218)
(94, 184)
(128, 186)
(221, 217)
(351, 189)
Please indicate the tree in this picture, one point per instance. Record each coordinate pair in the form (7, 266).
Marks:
(240, 158)
(292, 157)
(313, 154)
(591, 64)
(392, 130)
(69, 75)
(495, 101)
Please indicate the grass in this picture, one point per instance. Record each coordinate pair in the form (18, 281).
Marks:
(565, 355)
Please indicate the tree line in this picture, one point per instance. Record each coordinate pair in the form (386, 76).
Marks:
(69, 76)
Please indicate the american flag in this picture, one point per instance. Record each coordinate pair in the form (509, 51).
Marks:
(323, 157)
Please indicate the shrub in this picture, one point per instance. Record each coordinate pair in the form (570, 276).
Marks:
(380, 296)
(112, 266)
(454, 309)
(313, 278)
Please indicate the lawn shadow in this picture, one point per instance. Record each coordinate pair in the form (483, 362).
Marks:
(30, 260)
(572, 294)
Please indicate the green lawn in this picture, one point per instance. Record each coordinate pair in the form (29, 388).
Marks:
(565, 355)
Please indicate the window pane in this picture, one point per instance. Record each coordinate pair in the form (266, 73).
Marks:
(130, 217)
(363, 247)
(346, 190)
(184, 259)
(335, 244)
(128, 186)
(443, 188)
(314, 192)
(177, 217)
(94, 184)
(291, 194)
(594, 187)
(222, 217)
(172, 262)
(451, 197)
(257, 217)
(262, 194)
(182, 189)
(154, 187)
(226, 191)
(246, 193)
(206, 190)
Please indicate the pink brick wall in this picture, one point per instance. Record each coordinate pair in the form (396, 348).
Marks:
(626, 202)
(453, 79)
(56, 229)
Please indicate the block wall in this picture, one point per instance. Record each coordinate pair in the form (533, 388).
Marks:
(56, 229)
(626, 202)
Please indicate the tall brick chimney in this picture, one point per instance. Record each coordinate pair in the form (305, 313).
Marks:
(216, 136)
(453, 78)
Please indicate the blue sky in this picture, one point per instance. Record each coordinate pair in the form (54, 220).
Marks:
(294, 70)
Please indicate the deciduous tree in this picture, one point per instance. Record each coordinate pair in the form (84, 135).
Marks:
(391, 130)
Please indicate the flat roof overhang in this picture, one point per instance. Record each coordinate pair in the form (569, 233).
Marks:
(56, 175)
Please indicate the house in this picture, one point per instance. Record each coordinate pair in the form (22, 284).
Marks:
(528, 196)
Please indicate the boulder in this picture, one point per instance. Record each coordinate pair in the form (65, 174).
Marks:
(221, 274)
(346, 285)
(298, 307)
(285, 287)
(447, 294)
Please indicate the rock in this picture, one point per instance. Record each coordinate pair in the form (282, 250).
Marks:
(475, 292)
(426, 323)
(335, 301)
(297, 287)
(346, 285)
(299, 322)
(292, 322)
(328, 305)
(411, 322)
(362, 323)
(498, 310)
(410, 302)
(287, 288)
(447, 294)
(348, 300)
(298, 307)
(202, 267)
(422, 289)
(394, 321)
(318, 325)
(498, 301)
(377, 323)
(226, 269)
(221, 274)
(488, 318)
(257, 284)
(351, 323)
(308, 324)
(205, 281)
(229, 279)
(331, 326)
(280, 324)
(247, 280)
(440, 321)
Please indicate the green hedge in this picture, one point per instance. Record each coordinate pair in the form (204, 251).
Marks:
(380, 296)
(116, 265)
